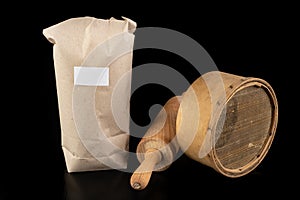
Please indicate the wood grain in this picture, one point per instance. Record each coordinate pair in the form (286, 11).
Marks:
(158, 147)
(227, 122)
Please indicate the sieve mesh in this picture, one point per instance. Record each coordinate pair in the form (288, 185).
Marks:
(246, 127)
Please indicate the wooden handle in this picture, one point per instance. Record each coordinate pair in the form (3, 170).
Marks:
(141, 177)
(157, 148)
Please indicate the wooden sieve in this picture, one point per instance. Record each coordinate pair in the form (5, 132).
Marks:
(224, 121)
(227, 122)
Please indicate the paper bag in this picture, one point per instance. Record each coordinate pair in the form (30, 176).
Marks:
(93, 57)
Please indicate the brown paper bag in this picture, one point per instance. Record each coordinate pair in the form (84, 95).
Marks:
(91, 56)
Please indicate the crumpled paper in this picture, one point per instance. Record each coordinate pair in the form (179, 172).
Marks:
(92, 139)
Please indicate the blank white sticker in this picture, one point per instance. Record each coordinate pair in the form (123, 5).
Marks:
(91, 76)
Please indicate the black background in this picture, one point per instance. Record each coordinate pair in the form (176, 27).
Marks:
(247, 40)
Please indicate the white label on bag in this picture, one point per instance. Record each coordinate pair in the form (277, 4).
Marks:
(91, 76)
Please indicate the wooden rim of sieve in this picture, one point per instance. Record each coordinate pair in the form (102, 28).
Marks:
(268, 141)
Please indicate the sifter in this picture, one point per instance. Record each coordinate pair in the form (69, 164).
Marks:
(224, 121)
